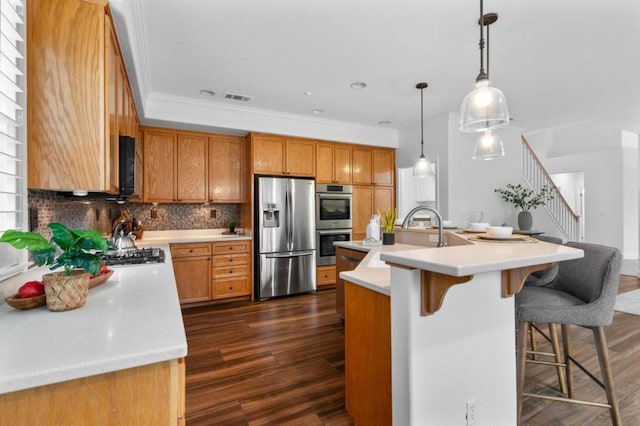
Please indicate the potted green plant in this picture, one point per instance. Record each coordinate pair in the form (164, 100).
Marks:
(72, 249)
(231, 224)
(388, 221)
(525, 199)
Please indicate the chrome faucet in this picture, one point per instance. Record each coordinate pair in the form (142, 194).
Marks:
(405, 222)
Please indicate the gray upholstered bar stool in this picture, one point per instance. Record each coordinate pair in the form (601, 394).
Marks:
(542, 279)
(583, 294)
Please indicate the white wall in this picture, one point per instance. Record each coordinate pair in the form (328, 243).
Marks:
(582, 149)
(630, 194)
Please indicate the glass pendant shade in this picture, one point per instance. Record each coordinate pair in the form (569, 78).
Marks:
(484, 108)
(421, 168)
(488, 147)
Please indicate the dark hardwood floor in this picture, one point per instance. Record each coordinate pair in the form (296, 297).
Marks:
(282, 362)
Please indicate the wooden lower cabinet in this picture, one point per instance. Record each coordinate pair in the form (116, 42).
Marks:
(151, 394)
(325, 276)
(212, 271)
(367, 355)
(231, 269)
(346, 260)
(192, 270)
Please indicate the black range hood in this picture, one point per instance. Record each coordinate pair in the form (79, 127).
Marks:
(127, 166)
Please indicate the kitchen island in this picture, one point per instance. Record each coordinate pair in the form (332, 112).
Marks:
(450, 331)
(119, 359)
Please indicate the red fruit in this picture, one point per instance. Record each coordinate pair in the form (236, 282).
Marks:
(104, 269)
(31, 289)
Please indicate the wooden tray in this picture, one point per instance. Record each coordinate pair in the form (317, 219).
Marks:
(100, 279)
(32, 302)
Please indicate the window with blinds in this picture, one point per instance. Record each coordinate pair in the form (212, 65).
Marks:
(13, 188)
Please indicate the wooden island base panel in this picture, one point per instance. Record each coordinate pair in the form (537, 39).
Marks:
(148, 395)
(434, 329)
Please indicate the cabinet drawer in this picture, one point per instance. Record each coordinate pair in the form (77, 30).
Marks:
(230, 259)
(232, 287)
(326, 275)
(188, 250)
(231, 247)
(230, 271)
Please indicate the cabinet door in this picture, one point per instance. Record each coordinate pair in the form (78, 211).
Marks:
(192, 173)
(383, 198)
(226, 169)
(114, 80)
(159, 166)
(268, 154)
(362, 210)
(193, 278)
(325, 161)
(362, 165)
(384, 166)
(300, 157)
(342, 163)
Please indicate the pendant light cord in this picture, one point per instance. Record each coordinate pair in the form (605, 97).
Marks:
(481, 38)
(421, 123)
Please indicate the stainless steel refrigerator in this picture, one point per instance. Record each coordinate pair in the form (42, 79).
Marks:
(285, 237)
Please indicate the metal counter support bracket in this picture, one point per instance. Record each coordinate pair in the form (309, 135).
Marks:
(513, 279)
(434, 287)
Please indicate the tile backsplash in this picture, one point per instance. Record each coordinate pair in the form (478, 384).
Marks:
(76, 213)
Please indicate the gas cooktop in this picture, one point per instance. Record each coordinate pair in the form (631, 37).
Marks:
(133, 257)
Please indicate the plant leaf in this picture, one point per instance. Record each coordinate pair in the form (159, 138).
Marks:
(62, 236)
(25, 240)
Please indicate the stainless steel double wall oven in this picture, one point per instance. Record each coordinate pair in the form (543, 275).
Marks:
(333, 220)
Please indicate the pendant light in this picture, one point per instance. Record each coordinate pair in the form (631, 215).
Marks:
(485, 107)
(488, 147)
(421, 168)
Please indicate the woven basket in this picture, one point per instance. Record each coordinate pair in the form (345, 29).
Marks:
(66, 292)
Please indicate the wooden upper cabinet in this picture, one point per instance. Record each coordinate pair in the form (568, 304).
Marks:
(268, 154)
(226, 169)
(159, 166)
(279, 155)
(73, 66)
(362, 210)
(362, 165)
(384, 166)
(191, 168)
(300, 157)
(333, 163)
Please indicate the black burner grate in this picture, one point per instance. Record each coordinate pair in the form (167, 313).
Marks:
(134, 257)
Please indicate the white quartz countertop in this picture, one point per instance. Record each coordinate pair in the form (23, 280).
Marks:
(372, 272)
(460, 260)
(131, 320)
(150, 238)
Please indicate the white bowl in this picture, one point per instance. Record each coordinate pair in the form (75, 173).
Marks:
(478, 226)
(499, 231)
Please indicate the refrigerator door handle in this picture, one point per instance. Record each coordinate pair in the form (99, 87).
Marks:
(281, 255)
(289, 201)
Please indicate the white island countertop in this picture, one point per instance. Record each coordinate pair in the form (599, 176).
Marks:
(459, 260)
(131, 320)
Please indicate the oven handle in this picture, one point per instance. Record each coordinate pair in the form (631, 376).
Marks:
(329, 195)
(334, 231)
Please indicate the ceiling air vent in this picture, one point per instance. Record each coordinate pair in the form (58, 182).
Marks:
(237, 97)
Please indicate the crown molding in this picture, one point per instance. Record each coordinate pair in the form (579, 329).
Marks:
(175, 109)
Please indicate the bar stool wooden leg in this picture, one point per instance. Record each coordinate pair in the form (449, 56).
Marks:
(607, 376)
(521, 356)
(532, 344)
(566, 343)
(553, 334)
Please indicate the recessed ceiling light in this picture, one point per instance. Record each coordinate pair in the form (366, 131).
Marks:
(358, 85)
(206, 92)
(307, 93)
(384, 122)
(317, 111)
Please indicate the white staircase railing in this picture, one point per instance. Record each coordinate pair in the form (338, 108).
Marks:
(536, 176)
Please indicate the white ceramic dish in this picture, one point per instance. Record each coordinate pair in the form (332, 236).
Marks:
(478, 226)
(499, 231)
